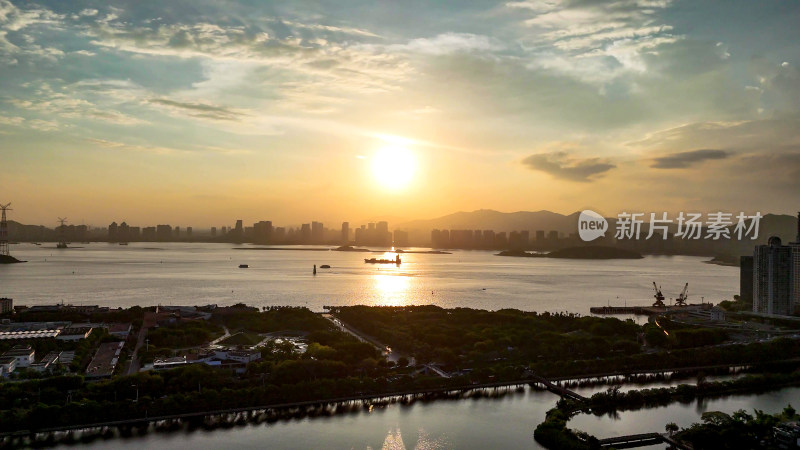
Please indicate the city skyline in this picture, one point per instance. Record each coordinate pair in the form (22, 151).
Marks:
(159, 113)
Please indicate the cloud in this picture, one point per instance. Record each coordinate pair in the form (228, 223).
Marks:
(65, 102)
(561, 165)
(154, 149)
(682, 160)
(201, 110)
(446, 43)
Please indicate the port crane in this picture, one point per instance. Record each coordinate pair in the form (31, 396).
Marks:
(658, 296)
(681, 300)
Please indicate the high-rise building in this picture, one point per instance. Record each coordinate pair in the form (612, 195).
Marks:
(163, 232)
(149, 233)
(6, 305)
(262, 231)
(213, 231)
(189, 232)
(112, 231)
(400, 238)
(305, 233)
(772, 278)
(746, 279)
(345, 233)
(317, 233)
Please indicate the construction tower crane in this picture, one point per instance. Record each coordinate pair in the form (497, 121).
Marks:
(681, 300)
(658, 296)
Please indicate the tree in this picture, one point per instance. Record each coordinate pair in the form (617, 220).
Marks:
(671, 428)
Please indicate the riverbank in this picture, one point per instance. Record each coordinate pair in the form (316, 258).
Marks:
(554, 434)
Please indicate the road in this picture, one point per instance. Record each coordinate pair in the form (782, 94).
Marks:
(385, 350)
(134, 366)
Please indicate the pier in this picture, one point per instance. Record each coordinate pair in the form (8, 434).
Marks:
(641, 440)
(647, 310)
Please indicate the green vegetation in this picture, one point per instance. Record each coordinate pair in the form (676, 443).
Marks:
(554, 434)
(243, 338)
(240, 317)
(474, 338)
(613, 400)
(737, 431)
(191, 333)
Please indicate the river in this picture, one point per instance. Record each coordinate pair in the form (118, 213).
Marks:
(504, 422)
(201, 273)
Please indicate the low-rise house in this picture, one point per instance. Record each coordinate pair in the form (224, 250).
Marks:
(169, 363)
(7, 365)
(242, 356)
(23, 354)
(74, 333)
(47, 363)
(105, 360)
(120, 330)
(23, 335)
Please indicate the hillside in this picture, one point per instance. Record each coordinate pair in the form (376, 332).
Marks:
(487, 219)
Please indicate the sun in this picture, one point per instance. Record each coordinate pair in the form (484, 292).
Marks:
(393, 167)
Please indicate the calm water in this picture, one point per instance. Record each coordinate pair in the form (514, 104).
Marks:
(195, 274)
(506, 422)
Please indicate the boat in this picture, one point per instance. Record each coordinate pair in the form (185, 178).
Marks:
(123, 243)
(243, 266)
(61, 245)
(383, 261)
(325, 266)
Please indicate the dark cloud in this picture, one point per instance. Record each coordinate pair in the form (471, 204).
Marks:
(682, 160)
(202, 110)
(561, 165)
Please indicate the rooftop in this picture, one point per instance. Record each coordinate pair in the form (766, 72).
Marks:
(36, 334)
(75, 331)
(105, 360)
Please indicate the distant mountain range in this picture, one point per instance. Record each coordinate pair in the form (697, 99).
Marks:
(487, 219)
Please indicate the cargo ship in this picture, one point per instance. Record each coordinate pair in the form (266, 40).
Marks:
(383, 261)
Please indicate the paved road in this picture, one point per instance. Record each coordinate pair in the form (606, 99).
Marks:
(134, 365)
(226, 335)
(385, 350)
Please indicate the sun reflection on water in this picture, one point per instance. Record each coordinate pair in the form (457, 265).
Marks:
(392, 289)
(394, 441)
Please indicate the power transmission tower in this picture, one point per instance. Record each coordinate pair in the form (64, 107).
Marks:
(4, 230)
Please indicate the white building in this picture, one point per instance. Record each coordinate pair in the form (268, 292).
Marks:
(7, 365)
(23, 354)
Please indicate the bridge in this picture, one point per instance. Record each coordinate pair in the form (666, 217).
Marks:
(556, 389)
(642, 440)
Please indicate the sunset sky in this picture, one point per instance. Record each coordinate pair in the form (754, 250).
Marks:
(202, 112)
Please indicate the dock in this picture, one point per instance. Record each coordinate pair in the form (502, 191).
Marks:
(647, 310)
(642, 440)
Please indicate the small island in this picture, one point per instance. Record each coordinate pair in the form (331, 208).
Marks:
(586, 252)
(8, 259)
